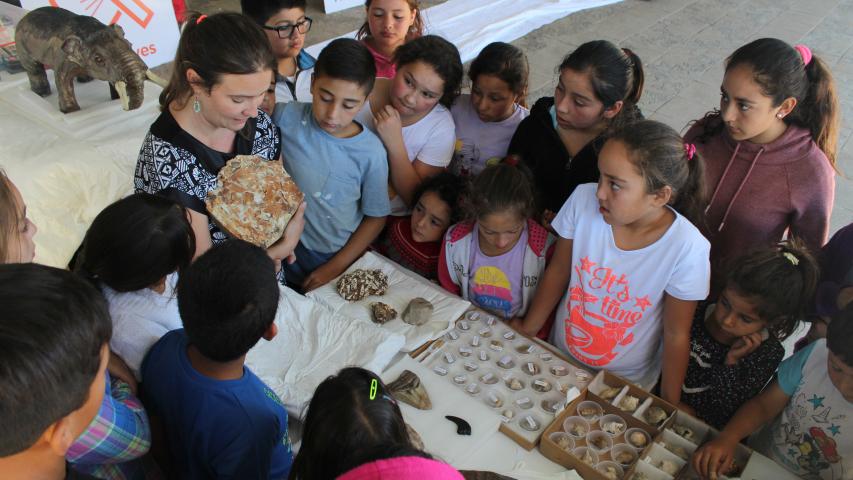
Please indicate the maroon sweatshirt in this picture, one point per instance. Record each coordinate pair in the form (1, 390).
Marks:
(757, 192)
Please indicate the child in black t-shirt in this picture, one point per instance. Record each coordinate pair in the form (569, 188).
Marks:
(736, 342)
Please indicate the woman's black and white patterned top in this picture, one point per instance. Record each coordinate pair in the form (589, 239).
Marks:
(175, 165)
(716, 390)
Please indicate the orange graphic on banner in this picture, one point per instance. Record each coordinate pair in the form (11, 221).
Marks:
(142, 18)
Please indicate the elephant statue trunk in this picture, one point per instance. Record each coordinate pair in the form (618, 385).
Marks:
(78, 45)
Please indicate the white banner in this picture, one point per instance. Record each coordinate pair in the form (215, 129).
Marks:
(331, 6)
(473, 24)
(149, 25)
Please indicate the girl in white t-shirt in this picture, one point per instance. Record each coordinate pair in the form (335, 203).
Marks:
(628, 265)
(487, 118)
(411, 115)
(139, 279)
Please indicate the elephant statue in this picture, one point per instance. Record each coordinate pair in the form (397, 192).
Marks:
(79, 46)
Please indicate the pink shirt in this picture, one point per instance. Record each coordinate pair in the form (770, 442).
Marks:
(385, 67)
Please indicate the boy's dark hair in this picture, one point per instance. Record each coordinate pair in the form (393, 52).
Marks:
(508, 63)
(449, 188)
(505, 187)
(344, 423)
(616, 74)
(227, 299)
(156, 239)
(416, 30)
(347, 59)
(780, 281)
(219, 44)
(779, 70)
(441, 55)
(53, 326)
(660, 155)
(262, 10)
(839, 335)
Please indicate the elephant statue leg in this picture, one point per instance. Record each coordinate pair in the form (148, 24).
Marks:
(36, 74)
(65, 75)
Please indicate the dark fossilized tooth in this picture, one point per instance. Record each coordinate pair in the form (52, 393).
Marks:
(408, 389)
(462, 426)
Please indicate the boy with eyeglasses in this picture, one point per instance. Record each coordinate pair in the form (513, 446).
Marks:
(286, 25)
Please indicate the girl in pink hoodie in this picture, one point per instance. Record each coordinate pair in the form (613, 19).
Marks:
(770, 151)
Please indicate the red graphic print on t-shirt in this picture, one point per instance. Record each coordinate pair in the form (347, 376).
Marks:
(602, 313)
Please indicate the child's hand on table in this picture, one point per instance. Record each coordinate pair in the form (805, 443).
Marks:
(517, 323)
(743, 347)
(714, 458)
(324, 274)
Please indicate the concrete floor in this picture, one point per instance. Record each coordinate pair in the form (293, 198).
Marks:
(682, 43)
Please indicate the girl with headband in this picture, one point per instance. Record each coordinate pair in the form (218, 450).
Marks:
(770, 151)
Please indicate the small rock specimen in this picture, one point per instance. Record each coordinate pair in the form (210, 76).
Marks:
(408, 389)
(654, 415)
(418, 311)
(610, 393)
(382, 313)
(362, 283)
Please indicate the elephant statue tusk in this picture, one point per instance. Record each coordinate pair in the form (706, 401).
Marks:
(121, 88)
(155, 78)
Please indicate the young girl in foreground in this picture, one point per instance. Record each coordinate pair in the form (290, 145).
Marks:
(16, 229)
(628, 265)
(735, 343)
(487, 118)
(770, 151)
(410, 114)
(495, 259)
(138, 280)
(351, 415)
(389, 24)
(415, 241)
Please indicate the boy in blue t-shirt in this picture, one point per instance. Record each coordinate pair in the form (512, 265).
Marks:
(340, 166)
(221, 420)
(810, 404)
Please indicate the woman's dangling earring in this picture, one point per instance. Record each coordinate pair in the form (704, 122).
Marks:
(196, 105)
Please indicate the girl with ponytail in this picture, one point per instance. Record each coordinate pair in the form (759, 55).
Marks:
(598, 89)
(770, 151)
(629, 264)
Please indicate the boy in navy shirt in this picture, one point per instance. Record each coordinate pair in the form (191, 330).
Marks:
(221, 420)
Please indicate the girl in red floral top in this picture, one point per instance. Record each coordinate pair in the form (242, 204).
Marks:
(415, 241)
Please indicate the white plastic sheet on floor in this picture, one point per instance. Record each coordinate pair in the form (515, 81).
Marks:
(473, 24)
